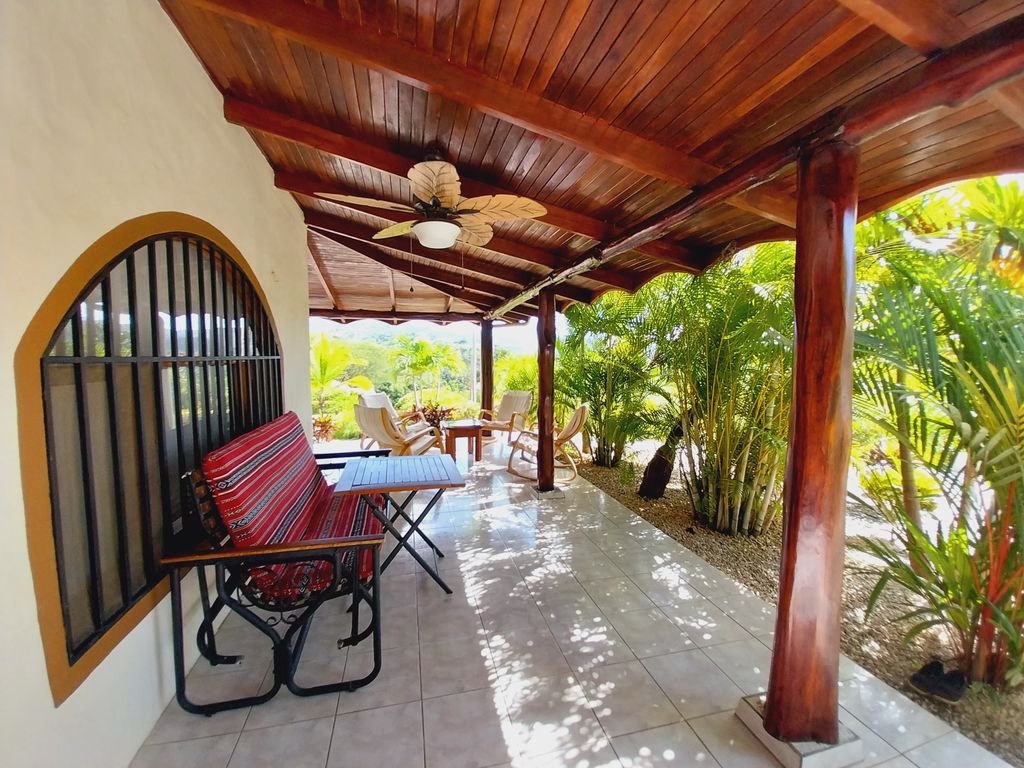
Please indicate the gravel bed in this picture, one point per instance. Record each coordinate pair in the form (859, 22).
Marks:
(875, 643)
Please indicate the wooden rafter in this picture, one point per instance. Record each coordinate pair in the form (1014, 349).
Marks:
(381, 158)
(928, 26)
(366, 314)
(311, 187)
(329, 33)
(322, 275)
(414, 270)
(981, 62)
(364, 234)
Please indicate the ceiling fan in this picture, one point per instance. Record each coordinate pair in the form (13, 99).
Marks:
(445, 216)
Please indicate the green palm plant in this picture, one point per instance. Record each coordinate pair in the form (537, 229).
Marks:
(723, 342)
(603, 362)
(941, 360)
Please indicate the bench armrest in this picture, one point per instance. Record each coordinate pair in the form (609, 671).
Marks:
(292, 550)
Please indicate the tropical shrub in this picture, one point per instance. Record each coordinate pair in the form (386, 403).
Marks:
(940, 369)
(722, 342)
(333, 386)
(603, 362)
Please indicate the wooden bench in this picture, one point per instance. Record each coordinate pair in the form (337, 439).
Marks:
(281, 544)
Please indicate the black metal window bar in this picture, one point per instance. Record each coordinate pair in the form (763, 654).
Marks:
(166, 355)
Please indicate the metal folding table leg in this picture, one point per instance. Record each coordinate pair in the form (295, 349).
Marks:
(400, 512)
(403, 539)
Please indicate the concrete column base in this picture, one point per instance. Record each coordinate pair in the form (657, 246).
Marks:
(800, 754)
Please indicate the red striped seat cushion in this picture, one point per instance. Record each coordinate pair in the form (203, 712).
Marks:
(269, 490)
(342, 517)
(266, 483)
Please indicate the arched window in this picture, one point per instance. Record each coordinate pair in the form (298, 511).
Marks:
(166, 355)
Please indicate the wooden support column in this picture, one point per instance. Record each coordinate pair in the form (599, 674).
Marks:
(486, 366)
(546, 390)
(803, 689)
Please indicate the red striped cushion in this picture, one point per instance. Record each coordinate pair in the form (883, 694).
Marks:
(266, 483)
(269, 490)
(341, 517)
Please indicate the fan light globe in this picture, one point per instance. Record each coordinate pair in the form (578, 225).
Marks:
(436, 234)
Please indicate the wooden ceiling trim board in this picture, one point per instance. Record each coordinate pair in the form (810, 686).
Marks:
(452, 259)
(327, 32)
(292, 129)
(743, 97)
(754, 35)
(402, 317)
(321, 273)
(307, 186)
(957, 75)
(928, 26)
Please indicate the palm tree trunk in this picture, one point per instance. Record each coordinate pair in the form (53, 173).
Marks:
(659, 468)
(908, 481)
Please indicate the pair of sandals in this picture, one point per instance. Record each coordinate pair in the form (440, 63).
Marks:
(933, 680)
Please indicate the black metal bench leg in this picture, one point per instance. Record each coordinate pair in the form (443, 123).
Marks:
(205, 638)
(177, 625)
(373, 598)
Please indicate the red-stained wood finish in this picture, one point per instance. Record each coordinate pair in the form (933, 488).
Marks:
(606, 113)
(365, 314)
(928, 26)
(546, 391)
(949, 79)
(803, 688)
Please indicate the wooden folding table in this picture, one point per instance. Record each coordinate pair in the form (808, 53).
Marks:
(384, 476)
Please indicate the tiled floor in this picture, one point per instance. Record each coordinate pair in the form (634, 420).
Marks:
(578, 635)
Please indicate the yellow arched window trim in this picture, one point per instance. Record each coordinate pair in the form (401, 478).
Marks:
(65, 677)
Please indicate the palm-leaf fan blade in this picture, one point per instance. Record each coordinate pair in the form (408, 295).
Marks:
(436, 178)
(501, 208)
(476, 233)
(402, 228)
(369, 202)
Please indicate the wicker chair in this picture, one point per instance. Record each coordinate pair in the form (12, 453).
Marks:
(510, 415)
(410, 423)
(526, 444)
(378, 426)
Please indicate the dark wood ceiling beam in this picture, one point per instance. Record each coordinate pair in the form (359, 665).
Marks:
(479, 300)
(981, 62)
(928, 26)
(366, 314)
(414, 270)
(328, 33)
(321, 274)
(451, 259)
(381, 158)
(309, 186)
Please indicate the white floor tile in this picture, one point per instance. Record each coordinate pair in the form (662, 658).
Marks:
(386, 736)
(694, 683)
(626, 699)
(670, 746)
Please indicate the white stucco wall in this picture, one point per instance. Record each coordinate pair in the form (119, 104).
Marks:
(105, 115)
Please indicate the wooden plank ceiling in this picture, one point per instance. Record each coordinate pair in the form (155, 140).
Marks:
(605, 112)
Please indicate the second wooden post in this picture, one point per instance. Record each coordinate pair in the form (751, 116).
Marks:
(546, 390)
(803, 688)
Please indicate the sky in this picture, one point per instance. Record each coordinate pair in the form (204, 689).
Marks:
(517, 339)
